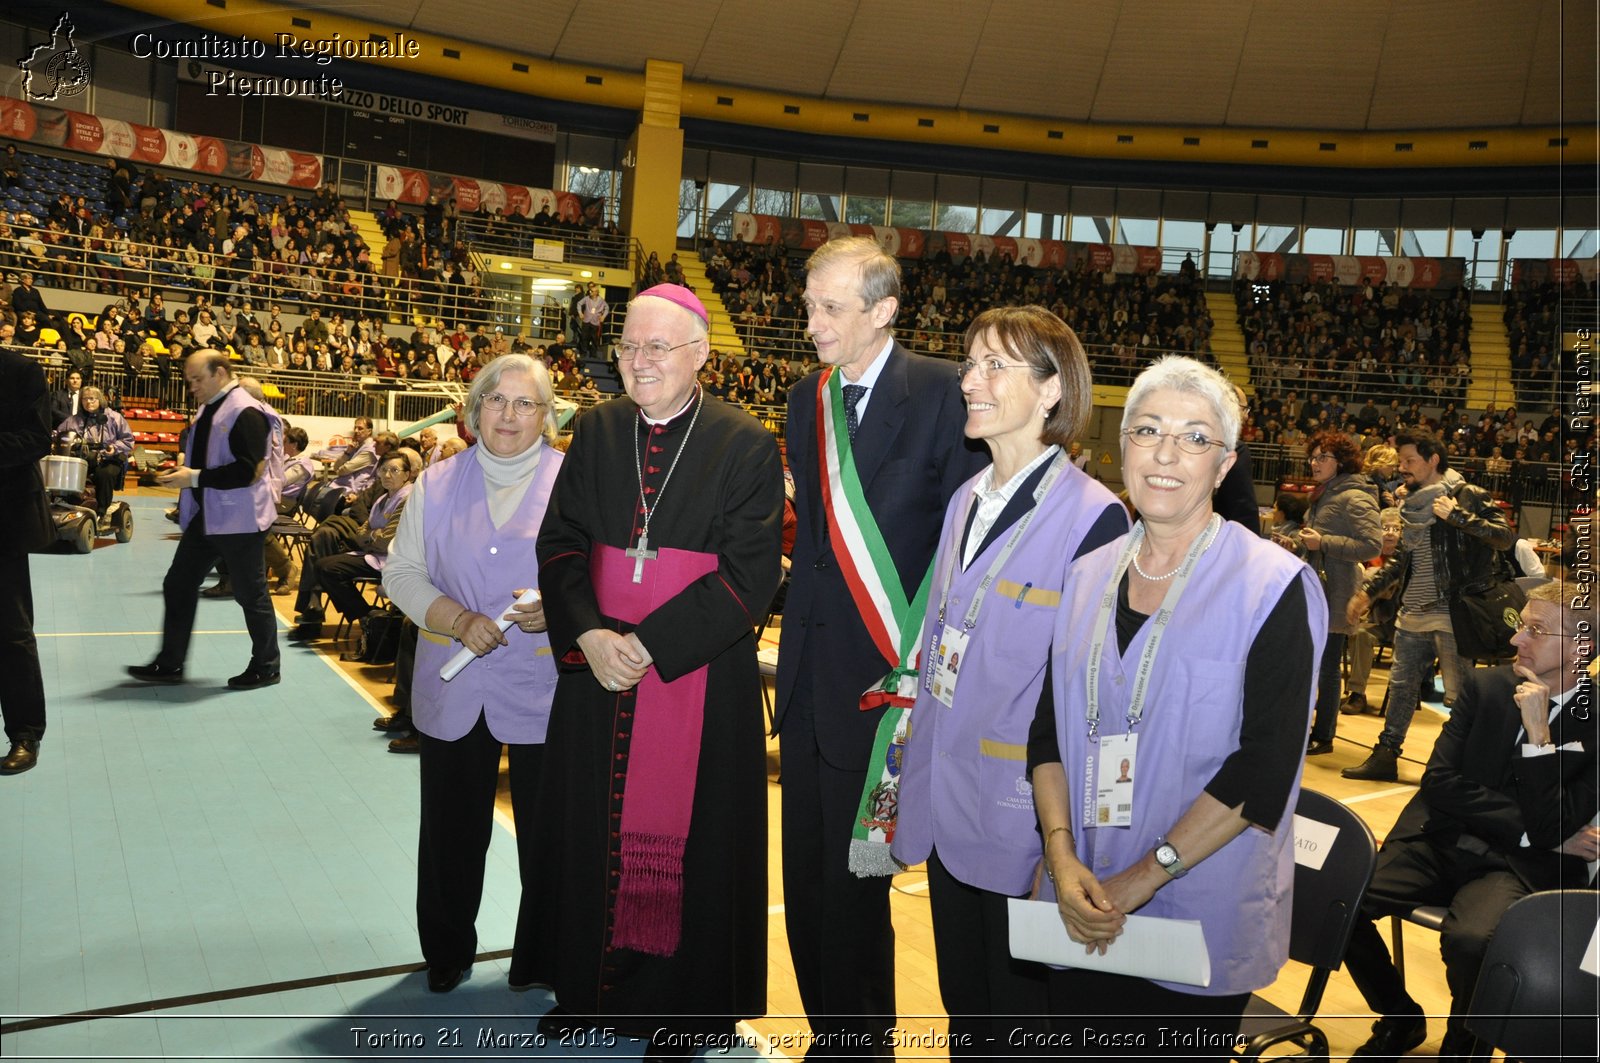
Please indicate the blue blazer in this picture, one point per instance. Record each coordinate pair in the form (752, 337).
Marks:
(912, 456)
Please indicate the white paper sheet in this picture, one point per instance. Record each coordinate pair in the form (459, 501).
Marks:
(1313, 841)
(1170, 950)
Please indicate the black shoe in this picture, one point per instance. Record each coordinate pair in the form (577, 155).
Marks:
(253, 677)
(399, 723)
(1354, 705)
(155, 673)
(409, 744)
(23, 756)
(1317, 749)
(444, 979)
(558, 1022)
(1392, 1037)
(305, 632)
(1378, 767)
(217, 590)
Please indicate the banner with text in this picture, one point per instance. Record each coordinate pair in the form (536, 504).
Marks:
(415, 186)
(233, 159)
(805, 235)
(1269, 266)
(1530, 272)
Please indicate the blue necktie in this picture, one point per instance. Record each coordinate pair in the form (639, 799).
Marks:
(852, 395)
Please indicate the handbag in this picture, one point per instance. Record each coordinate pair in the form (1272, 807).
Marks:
(380, 636)
(1485, 619)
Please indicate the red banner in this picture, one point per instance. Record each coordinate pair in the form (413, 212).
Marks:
(1531, 272)
(24, 121)
(1350, 270)
(415, 186)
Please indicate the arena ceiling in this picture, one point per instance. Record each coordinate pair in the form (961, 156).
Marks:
(1353, 65)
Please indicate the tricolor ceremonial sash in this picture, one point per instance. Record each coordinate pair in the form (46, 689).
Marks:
(894, 622)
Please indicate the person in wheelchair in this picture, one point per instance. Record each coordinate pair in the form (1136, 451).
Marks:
(102, 438)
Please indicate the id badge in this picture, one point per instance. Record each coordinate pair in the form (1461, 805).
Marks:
(952, 651)
(1113, 790)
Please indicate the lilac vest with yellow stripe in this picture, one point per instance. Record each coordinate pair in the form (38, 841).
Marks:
(1193, 711)
(965, 788)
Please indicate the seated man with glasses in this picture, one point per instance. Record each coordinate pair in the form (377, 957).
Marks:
(1507, 808)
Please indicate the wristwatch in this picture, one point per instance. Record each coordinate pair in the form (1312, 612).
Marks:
(1167, 856)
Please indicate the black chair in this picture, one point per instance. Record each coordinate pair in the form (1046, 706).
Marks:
(1327, 902)
(1430, 916)
(1531, 1000)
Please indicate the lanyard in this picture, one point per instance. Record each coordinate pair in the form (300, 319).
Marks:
(970, 620)
(1105, 621)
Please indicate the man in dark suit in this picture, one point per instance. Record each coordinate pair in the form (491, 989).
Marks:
(903, 415)
(1507, 808)
(24, 439)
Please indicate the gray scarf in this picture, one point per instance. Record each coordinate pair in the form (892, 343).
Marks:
(1416, 512)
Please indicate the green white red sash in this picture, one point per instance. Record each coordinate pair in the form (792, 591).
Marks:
(893, 620)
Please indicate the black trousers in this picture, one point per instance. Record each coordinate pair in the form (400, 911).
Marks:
(337, 576)
(333, 536)
(196, 554)
(841, 939)
(1111, 1015)
(108, 476)
(22, 689)
(990, 997)
(1325, 724)
(1477, 888)
(459, 780)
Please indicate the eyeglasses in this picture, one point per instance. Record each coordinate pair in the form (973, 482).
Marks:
(1535, 629)
(1189, 442)
(495, 402)
(654, 351)
(1319, 457)
(830, 310)
(987, 368)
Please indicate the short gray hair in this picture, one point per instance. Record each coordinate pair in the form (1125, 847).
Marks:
(488, 379)
(880, 273)
(1189, 377)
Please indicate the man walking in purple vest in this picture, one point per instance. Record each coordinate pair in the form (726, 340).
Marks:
(226, 505)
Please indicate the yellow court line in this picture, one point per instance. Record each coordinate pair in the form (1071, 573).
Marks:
(102, 634)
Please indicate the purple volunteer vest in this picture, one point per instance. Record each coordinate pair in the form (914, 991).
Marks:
(240, 510)
(361, 479)
(964, 786)
(308, 470)
(479, 566)
(275, 455)
(1242, 893)
(382, 513)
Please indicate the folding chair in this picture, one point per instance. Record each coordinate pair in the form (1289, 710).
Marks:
(1532, 1001)
(1327, 902)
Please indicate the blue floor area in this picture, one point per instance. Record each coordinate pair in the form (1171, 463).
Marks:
(245, 860)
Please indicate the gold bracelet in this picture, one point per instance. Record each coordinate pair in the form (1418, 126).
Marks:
(1053, 831)
(456, 621)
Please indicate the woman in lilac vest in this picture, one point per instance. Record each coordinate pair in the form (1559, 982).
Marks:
(1010, 534)
(464, 552)
(1167, 751)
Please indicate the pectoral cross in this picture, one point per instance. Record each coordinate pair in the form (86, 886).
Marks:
(640, 555)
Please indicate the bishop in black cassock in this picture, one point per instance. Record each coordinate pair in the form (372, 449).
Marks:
(652, 915)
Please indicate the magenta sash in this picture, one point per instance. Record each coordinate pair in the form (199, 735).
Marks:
(663, 754)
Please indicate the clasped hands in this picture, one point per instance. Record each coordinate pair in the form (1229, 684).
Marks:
(1094, 912)
(617, 661)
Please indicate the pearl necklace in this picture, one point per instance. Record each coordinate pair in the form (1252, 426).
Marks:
(1154, 579)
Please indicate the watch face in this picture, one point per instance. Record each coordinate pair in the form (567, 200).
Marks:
(1166, 855)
